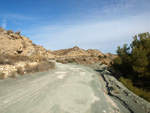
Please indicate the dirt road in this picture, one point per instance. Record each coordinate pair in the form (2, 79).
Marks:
(66, 89)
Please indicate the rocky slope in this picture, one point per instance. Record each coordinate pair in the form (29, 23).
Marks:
(18, 55)
(13, 44)
(71, 52)
(81, 56)
(94, 52)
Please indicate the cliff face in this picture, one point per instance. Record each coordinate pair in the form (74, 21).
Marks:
(13, 44)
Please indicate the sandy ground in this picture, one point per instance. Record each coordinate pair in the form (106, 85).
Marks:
(66, 89)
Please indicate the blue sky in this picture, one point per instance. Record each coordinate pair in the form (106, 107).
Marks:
(59, 24)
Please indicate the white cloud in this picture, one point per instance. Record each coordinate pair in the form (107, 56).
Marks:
(105, 36)
(4, 24)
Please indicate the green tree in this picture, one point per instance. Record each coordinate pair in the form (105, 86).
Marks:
(134, 60)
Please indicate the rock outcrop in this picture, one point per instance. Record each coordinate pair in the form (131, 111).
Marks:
(13, 44)
(40, 50)
(18, 55)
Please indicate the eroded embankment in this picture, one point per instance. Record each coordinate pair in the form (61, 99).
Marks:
(120, 93)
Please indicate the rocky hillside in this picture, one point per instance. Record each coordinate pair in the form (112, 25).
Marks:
(95, 52)
(18, 55)
(13, 44)
(81, 56)
(71, 52)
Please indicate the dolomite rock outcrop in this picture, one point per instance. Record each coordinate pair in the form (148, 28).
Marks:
(7, 70)
(43, 52)
(14, 43)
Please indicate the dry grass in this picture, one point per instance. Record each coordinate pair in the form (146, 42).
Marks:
(40, 67)
(13, 75)
(42, 64)
(2, 75)
(12, 59)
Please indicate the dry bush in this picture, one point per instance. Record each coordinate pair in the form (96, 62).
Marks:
(2, 60)
(18, 32)
(20, 70)
(37, 58)
(61, 61)
(13, 75)
(2, 75)
(9, 32)
(42, 66)
(52, 65)
(11, 59)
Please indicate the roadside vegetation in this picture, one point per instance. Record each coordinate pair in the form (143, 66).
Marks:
(133, 65)
(12, 59)
(41, 64)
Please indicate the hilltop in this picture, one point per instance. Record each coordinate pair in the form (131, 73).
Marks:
(81, 56)
(71, 52)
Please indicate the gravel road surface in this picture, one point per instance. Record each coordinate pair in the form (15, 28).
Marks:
(67, 89)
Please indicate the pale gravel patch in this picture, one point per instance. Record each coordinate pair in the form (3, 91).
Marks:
(60, 72)
(6, 101)
(104, 111)
(61, 76)
(95, 98)
(76, 69)
(82, 73)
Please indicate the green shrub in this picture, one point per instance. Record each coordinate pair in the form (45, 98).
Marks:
(134, 60)
(99, 56)
(105, 56)
(134, 63)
